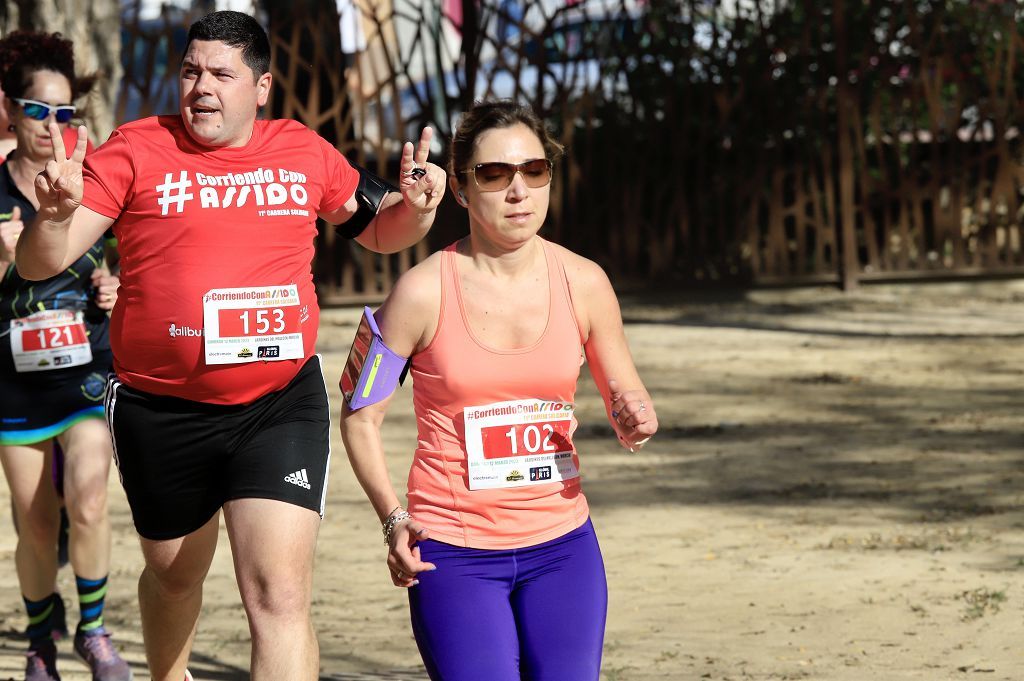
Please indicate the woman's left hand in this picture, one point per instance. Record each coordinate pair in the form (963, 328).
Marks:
(422, 183)
(404, 560)
(105, 285)
(633, 415)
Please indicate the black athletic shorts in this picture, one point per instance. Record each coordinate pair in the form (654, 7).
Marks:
(180, 460)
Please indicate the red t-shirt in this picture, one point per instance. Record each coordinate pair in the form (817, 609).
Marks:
(192, 219)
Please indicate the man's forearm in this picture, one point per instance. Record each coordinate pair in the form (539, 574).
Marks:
(398, 226)
(42, 249)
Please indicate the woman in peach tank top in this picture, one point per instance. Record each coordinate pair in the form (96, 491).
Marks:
(504, 572)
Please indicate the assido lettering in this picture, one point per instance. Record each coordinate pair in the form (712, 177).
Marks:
(264, 188)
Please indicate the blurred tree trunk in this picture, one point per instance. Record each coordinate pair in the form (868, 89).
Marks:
(94, 26)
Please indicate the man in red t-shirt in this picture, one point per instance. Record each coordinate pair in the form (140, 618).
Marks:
(218, 400)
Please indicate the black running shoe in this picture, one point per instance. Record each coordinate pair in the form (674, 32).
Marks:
(41, 662)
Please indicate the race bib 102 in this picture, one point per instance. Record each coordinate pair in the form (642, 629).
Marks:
(517, 443)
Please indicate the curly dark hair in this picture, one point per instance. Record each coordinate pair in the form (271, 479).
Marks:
(23, 53)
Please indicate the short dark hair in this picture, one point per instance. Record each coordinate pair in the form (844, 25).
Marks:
(235, 29)
(488, 115)
(24, 53)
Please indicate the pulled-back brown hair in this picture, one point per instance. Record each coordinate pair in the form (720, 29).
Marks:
(502, 113)
(24, 53)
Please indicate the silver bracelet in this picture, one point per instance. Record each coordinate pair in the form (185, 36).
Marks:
(388, 528)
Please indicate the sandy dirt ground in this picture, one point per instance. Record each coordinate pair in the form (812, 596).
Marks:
(836, 493)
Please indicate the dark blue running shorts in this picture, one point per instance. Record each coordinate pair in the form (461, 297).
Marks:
(39, 405)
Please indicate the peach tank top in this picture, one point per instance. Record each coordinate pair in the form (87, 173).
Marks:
(455, 372)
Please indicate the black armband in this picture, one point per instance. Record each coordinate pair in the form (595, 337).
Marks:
(370, 194)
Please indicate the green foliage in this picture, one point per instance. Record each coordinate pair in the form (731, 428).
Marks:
(771, 72)
(711, 102)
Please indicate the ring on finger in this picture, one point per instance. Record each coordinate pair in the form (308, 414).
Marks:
(642, 405)
(415, 173)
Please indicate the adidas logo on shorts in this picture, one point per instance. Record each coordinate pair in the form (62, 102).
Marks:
(298, 478)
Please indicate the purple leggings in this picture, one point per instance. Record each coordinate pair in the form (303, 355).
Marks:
(530, 614)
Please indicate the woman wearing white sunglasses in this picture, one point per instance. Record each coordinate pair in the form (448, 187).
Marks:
(54, 358)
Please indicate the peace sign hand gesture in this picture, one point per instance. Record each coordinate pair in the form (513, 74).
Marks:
(422, 183)
(59, 186)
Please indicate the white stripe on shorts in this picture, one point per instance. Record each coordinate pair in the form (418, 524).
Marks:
(109, 402)
(327, 468)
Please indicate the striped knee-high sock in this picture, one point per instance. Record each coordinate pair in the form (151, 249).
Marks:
(39, 619)
(91, 593)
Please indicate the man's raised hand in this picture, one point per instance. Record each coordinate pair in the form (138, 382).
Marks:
(422, 183)
(59, 186)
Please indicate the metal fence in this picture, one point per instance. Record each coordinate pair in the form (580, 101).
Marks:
(708, 142)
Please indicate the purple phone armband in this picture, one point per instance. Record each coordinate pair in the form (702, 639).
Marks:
(373, 370)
